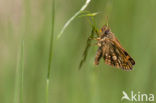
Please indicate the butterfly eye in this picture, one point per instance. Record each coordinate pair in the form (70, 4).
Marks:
(107, 31)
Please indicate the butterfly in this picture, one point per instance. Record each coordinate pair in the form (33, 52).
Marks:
(110, 49)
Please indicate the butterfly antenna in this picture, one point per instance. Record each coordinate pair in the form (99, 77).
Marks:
(107, 21)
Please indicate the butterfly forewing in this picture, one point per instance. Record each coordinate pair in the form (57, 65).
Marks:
(116, 56)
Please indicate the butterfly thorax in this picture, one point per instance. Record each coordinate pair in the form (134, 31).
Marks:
(105, 34)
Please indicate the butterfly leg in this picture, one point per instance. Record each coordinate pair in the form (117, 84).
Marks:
(93, 38)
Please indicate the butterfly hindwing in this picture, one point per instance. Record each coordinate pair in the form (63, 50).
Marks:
(98, 56)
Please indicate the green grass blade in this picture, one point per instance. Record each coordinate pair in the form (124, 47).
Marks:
(89, 14)
(51, 39)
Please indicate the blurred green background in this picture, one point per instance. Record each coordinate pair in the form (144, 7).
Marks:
(132, 21)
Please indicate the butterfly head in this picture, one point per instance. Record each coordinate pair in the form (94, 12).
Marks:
(105, 31)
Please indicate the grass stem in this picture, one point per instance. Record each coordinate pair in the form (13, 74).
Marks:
(50, 51)
(18, 97)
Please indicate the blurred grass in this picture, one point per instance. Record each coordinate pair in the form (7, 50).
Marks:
(18, 91)
(132, 21)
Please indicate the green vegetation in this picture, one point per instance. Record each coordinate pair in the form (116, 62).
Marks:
(23, 75)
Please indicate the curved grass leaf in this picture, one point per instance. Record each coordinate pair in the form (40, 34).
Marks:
(73, 17)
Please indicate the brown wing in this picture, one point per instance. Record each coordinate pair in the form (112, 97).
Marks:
(116, 56)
